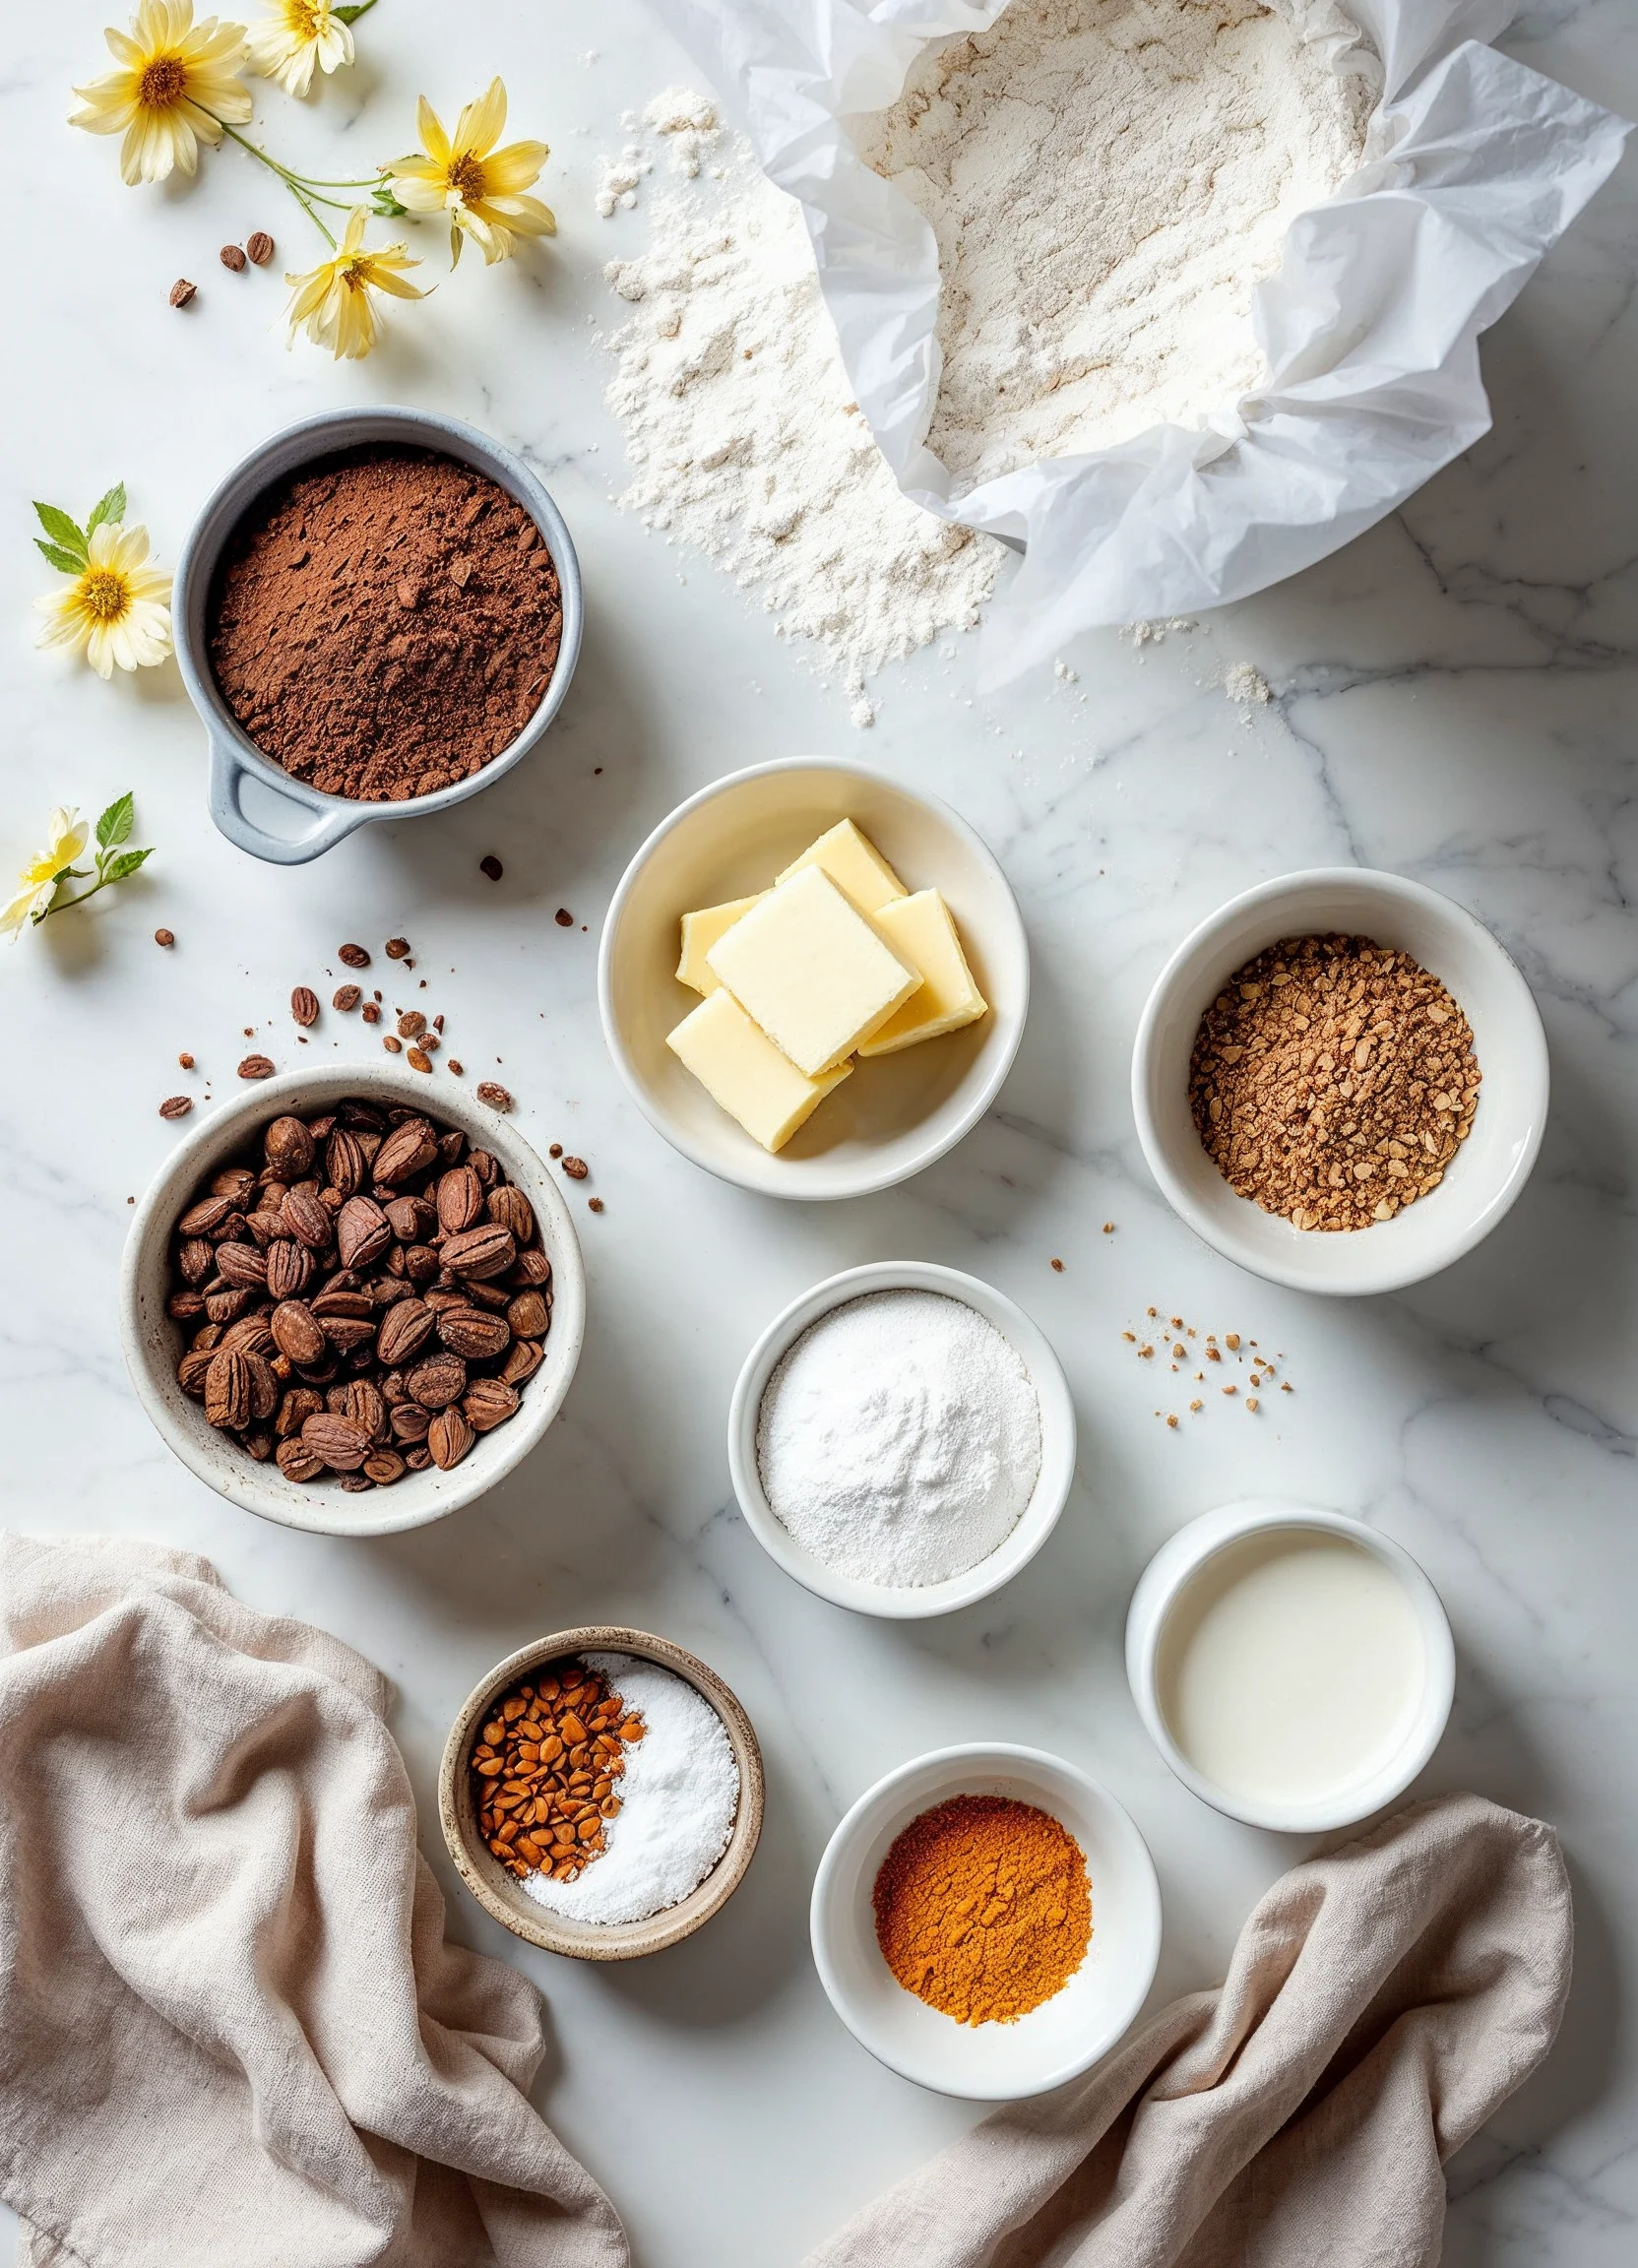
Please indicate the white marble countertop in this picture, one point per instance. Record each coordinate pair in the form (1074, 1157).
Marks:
(1452, 699)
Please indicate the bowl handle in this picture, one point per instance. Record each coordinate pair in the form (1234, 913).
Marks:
(227, 773)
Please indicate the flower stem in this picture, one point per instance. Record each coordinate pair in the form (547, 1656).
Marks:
(307, 192)
(62, 905)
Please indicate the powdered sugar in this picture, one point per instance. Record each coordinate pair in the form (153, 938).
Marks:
(899, 1439)
(1107, 180)
(678, 1800)
(742, 428)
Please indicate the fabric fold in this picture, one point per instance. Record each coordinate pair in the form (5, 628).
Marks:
(232, 2028)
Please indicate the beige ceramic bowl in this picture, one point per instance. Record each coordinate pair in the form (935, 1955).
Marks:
(496, 1891)
(154, 1343)
(896, 1114)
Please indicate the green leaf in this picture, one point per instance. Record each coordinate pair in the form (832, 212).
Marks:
(108, 508)
(114, 825)
(387, 205)
(64, 562)
(126, 863)
(350, 15)
(62, 530)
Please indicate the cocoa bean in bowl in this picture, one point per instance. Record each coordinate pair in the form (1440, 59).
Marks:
(378, 612)
(348, 1312)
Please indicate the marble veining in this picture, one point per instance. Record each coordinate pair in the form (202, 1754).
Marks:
(1451, 697)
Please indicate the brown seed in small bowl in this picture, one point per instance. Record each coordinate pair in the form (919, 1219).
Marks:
(449, 1437)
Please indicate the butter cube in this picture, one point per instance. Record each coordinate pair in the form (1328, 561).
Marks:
(700, 932)
(811, 970)
(921, 930)
(740, 1069)
(854, 864)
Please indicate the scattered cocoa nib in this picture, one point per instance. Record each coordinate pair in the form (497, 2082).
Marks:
(176, 1106)
(305, 1005)
(392, 1043)
(398, 948)
(259, 247)
(593, 1204)
(419, 1059)
(164, 937)
(181, 291)
(348, 996)
(186, 1060)
(565, 918)
(491, 1092)
(557, 1149)
(353, 956)
(456, 1067)
(491, 866)
(336, 1322)
(256, 1067)
(372, 1012)
(576, 1168)
(232, 256)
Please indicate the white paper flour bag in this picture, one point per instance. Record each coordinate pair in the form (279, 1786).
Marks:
(1473, 167)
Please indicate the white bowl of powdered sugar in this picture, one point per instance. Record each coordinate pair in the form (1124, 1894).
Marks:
(902, 1439)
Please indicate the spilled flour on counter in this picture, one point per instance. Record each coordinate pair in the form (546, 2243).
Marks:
(741, 424)
(1108, 181)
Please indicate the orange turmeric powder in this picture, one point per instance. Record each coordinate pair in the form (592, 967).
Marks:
(983, 1907)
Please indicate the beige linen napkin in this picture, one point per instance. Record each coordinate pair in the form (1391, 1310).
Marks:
(1381, 2003)
(231, 2032)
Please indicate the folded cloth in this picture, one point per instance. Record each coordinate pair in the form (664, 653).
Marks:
(1380, 2004)
(230, 2027)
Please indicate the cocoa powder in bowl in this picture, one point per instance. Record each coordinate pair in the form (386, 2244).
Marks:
(384, 622)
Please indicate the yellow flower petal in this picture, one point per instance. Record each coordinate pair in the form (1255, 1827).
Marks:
(480, 123)
(429, 126)
(514, 167)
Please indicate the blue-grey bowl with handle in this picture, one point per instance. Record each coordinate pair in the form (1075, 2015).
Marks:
(235, 757)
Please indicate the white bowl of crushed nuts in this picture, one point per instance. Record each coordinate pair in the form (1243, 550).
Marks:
(1340, 1081)
(348, 1307)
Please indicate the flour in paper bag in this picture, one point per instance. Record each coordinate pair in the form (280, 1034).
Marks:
(1108, 181)
(741, 422)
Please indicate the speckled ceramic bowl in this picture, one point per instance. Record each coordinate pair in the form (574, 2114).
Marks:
(152, 1343)
(498, 1893)
(253, 799)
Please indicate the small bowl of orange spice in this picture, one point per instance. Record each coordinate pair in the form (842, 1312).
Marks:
(986, 1921)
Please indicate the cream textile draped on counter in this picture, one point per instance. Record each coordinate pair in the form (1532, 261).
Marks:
(231, 2029)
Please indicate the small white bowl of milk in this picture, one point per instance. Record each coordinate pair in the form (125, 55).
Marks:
(1294, 1667)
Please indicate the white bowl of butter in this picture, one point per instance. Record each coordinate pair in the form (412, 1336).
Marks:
(1294, 1667)
(865, 927)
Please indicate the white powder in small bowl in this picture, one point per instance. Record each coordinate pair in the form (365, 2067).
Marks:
(678, 1801)
(899, 1439)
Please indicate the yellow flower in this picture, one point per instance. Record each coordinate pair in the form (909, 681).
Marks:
(332, 301)
(176, 87)
(39, 878)
(298, 35)
(116, 609)
(473, 182)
